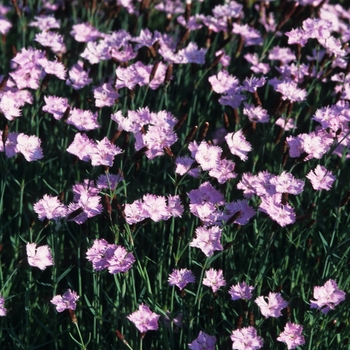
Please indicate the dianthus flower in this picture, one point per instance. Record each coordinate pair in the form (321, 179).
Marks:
(208, 156)
(327, 296)
(3, 310)
(9, 107)
(78, 77)
(40, 257)
(96, 52)
(290, 91)
(204, 341)
(99, 254)
(224, 83)
(214, 279)
(224, 171)
(256, 113)
(83, 120)
(238, 145)
(155, 207)
(85, 32)
(104, 152)
(144, 319)
(321, 178)
(184, 165)
(49, 207)
(52, 40)
(120, 261)
(207, 240)
(192, 54)
(81, 147)
(287, 183)
(29, 146)
(45, 22)
(241, 206)
(252, 84)
(66, 301)
(292, 335)
(246, 339)
(105, 95)
(53, 67)
(272, 308)
(241, 291)
(55, 106)
(109, 181)
(181, 278)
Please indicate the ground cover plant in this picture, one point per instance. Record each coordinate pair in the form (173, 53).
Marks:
(174, 175)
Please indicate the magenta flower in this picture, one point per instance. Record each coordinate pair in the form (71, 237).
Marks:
(292, 335)
(246, 339)
(241, 291)
(246, 212)
(273, 306)
(327, 296)
(3, 310)
(207, 240)
(238, 145)
(66, 301)
(99, 254)
(29, 146)
(40, 257)
(120, 261)
(50, 207)
(180, 278)
(144, 319)
(203, 341)
(321, 178)
(252, 84)
(214, 279)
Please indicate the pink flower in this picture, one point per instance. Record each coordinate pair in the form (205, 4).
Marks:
(214, 279)
(246, 339)
(104, 152)
(180, 278)
(208, 156)
(224, 171)
(223, 83)
(175, 209)
(192, 54)
(120, 261)
(45, 22)
(105, 95)
(3, 310)
(287, 183)
(66, 301)
(96, 52)
(109, 181)
(40, 257)
(327, 296)
(272, 308)
(256, 113)
(238, 145)
(81, 147)
(321, 178)
(29, 146)
(83, 120)
(99, 254)
(53, 67)
(50, 207)
(52, 40)
(9, 107)
(204, 341)
(55, 106)
(292, 335)
(144, 319)
(241, 291)
(155, 207)
(85, 32)
(78, 77)
(283, 214)
(184, 166)
(207, 240)
(252, 84)
(290, 91)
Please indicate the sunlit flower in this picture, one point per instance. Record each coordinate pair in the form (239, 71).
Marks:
(40, 257)
(292, 335)
(144, 319)
(214, 279)
(246, 339)
(273, 306)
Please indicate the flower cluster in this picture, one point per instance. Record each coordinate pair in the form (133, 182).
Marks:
(111, 256)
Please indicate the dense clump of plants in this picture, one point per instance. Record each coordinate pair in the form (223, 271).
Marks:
(174, 175)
